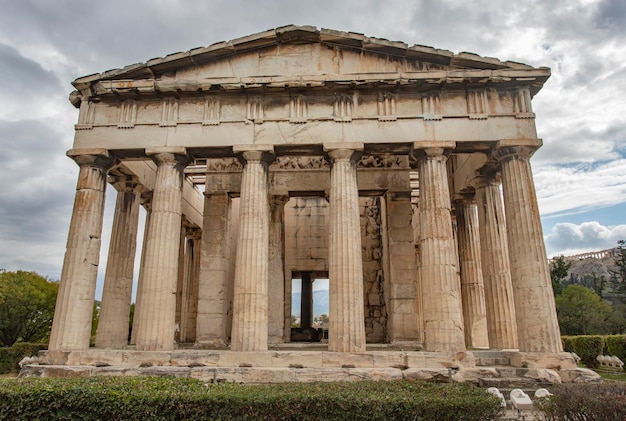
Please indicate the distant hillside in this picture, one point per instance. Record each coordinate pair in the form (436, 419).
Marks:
(592, 270)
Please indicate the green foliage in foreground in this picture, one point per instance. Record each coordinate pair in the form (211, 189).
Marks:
(11, 356)
(134, 398)
(574, 402)
(27, 303)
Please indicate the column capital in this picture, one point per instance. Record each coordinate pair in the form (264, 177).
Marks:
(278, 199)
(432, 148)
(193, 232)
(398, 195)
(95, 157)
(488, 174)
(466, 197)
(515, 149)
(145, 199)
(125, 183)
(346, 151)
(176, 155)
(258, 153)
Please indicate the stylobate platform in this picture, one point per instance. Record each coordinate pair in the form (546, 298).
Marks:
(279, 366)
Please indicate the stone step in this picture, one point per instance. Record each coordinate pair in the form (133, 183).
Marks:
(490, 362)
(491, 358)
(506, 384)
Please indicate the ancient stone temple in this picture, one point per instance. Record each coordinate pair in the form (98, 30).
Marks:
(400, 174)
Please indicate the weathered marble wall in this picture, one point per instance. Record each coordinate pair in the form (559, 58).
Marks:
(373, 278)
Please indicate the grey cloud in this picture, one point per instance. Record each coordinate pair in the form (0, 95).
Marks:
(581, 144)
(611, 15)
(36, 197)
(21, 75)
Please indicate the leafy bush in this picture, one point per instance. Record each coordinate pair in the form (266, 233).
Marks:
(616, 345)
(588, 348)
(574, 402)
(118, 398)
(11, 356)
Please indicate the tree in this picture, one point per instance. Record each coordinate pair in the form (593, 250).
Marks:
(595, 282)
(27, 303)
(618, 276)
(582, 312)
(321, 319)
(559, 271)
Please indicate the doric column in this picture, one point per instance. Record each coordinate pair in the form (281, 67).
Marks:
(494, 253)
(146, 202)
(347, 324)
(118, 280)
(472, 289)
(419, 309)
(215, 284)
(71, 328)
(155, 330)
(189, 287)
(537, 324)
(277, 268)
(250, 298)
(306, 301)
(441, 295)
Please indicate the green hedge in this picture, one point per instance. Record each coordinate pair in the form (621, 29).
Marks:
(572, 401)
(568, 343)
(590, 346)
(616, 345)
(11, 356)
(120, 398)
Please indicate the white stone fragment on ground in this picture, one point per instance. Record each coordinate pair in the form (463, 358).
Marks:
(542, 393)
(520, 400)
(28, 360)
(495, 391)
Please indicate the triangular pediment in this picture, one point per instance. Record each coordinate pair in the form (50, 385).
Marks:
(305, 55)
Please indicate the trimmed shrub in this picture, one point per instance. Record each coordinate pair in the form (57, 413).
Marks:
(568, 343)
(578, 402)
(588, 348)
(118, 398)
(616, 345)
(11, 356)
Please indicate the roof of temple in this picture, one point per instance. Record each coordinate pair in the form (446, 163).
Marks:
(443, 60)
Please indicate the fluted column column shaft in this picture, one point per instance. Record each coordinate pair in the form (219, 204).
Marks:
(472, 288)
(146, 201)
(441, 295)
(157, 312)
(189, 288)
(71, 327)
(537, 323)
(118, 279)
(347, 323)
(250, 298)
(494, 252)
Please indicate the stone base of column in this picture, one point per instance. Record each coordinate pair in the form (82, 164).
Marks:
(553, 360)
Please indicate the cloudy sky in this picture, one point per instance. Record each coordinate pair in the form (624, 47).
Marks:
(580, 173)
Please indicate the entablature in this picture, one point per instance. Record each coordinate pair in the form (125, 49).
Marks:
(298, 106)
